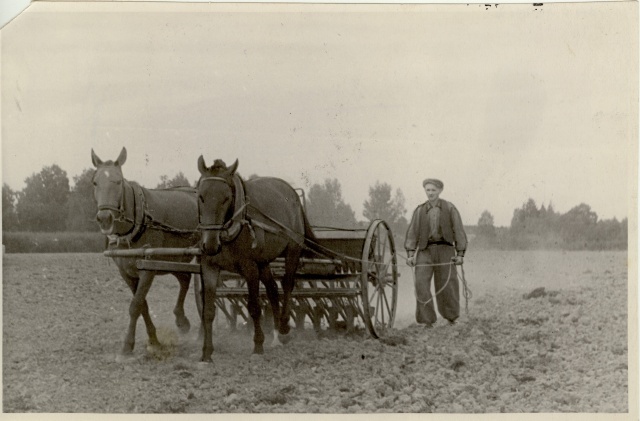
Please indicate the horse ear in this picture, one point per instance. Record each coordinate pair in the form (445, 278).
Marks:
(233, 168)
(201, 165)
(122, 158)
(94, 158)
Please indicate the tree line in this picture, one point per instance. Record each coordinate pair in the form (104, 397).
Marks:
(534, 227)
(48, 203)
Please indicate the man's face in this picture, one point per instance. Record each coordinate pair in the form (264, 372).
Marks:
(432, 192)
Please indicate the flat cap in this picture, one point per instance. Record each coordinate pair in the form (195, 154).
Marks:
(439, 184)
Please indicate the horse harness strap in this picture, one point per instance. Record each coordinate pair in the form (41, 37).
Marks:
(230, 230)
(241, 219)
(140, 212)
(139, 215)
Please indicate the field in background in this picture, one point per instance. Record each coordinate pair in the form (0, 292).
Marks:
(486, 272)
(53, 242)
(491, 272)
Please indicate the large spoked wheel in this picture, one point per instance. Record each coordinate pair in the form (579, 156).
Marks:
(379, 282)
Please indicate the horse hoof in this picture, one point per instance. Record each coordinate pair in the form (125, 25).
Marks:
(183, 326)
(284, 330)
(276, 340)
(285, 339)
(125, 358)
(154, 348)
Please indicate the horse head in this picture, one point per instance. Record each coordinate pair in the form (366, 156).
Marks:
(215, 201)
(108, 191)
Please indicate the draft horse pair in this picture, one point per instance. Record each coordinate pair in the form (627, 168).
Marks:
(240, 226)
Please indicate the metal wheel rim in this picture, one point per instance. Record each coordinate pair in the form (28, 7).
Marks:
(379, 279)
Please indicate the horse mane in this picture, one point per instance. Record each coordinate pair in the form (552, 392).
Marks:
(218, 164)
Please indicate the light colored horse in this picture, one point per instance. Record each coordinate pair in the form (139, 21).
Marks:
(132, 216)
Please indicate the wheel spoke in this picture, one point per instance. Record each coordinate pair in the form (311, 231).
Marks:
(386, 301)
(373, 294)
(383, 246)
(375, 317)
(381, 305)
(382, 271)
(387, 264)
(382, 267)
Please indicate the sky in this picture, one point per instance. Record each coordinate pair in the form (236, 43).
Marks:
(503, 103)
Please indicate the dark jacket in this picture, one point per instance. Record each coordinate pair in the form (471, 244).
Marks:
(451, 228)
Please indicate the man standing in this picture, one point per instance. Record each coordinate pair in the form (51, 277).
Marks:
(435, 241)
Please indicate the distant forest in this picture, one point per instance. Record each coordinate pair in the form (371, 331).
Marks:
(49, 204)
(534, 227)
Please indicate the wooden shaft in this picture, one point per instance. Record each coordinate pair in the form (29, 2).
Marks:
(150, 252)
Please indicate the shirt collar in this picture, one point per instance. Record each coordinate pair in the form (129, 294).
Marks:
(437, 205)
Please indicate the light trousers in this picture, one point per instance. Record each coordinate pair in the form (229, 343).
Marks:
(448, 299)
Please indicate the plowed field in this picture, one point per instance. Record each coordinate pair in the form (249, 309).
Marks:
(65, 315)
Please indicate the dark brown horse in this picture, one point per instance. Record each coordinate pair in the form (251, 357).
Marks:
(244, 227)
(132, 216)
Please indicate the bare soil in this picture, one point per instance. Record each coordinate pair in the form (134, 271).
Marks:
(520, 348)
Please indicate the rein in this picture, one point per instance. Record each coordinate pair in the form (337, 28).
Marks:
(225, 226)
(140, 220)
(231, 228)
(137, 221)
(466, 292)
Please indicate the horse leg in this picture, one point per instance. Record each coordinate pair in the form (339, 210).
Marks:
(181, 320)
(272, 293)
(210, 276)
(197, 292)
(140, 287)
(292, 259)
(253, 282)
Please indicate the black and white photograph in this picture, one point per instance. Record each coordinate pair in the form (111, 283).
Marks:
(319, 209)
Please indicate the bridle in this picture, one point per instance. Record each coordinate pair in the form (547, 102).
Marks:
(134, 220)
(119, 207)
(230, 229)
(214, 227)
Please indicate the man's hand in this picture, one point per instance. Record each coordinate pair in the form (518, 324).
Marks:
(411, 261)
(457, 260)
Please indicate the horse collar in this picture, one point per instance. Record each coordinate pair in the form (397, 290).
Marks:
(138, 209)
(239, 217)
